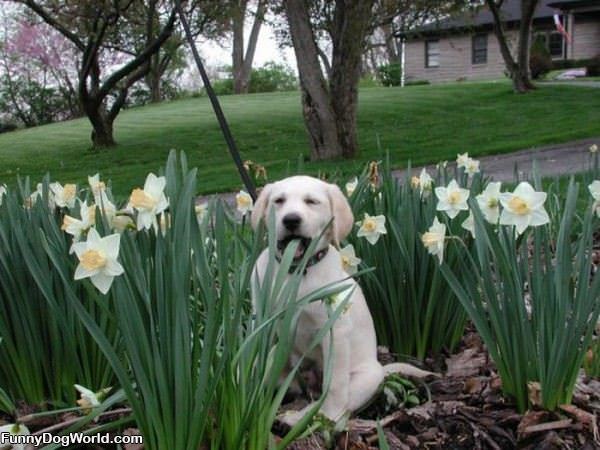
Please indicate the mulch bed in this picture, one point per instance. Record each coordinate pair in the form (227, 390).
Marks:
(467, 411)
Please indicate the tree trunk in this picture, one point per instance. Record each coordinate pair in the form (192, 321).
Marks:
(522, 77)
(237, 54)
(518, 69)
(317, 110)
(242, 64)
(391, 48)
(102, 134)
(351, 22)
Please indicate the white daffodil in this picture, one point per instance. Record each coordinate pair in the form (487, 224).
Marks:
(349, 259)
(201, 209)
(120, 222)
(107, 207)
(39, 193)
(593, 148)
(371, 227)
(471, 167)
(64, 196)
(441, 165)
(462, 159)
(14, 429)
(76, 227)
(164, 223)
(2, 192)
(594, 189)
(415, 182)
(489, 202)
(469, 224)
(98, 259)
(244, 202)
(150, 201)
(89, 399)
(96, 185)
(351, 186)
(524, 207)
(336, 300)
(425, 183)
(434, 238)
(452, 199)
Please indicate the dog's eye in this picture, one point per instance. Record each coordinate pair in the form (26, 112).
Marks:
(279, 200)
(311, 201)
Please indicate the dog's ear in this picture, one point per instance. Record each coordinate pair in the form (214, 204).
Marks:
(259, 210)
(343, 219)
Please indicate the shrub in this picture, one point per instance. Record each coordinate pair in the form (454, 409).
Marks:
(5, 127)
(593, 67)
(540, 61)
(390, 74)
(272, 77)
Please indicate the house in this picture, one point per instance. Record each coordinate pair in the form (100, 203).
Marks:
(466, 48)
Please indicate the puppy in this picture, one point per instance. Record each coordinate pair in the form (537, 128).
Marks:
(303, 207)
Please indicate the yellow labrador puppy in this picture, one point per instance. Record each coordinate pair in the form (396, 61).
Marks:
(303, 207)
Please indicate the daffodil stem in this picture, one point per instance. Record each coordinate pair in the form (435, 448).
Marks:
(66, 423)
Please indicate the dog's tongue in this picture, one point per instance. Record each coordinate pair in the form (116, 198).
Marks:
(299, 249)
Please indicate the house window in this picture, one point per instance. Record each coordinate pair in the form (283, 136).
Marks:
(555, 45)
(432, 53)
(479, 46)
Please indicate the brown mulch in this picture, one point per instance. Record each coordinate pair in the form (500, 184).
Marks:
(468, 411)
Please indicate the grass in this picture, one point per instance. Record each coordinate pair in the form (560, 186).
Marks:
(423, 124)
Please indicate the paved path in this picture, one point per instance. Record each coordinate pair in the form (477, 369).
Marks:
(589, 84)
(562, 159)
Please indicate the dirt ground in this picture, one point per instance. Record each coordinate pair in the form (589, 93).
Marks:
(467, 411)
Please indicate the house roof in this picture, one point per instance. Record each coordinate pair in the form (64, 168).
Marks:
(482, 17)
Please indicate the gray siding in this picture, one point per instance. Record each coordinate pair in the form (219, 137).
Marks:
(585, 38)
(455, 60)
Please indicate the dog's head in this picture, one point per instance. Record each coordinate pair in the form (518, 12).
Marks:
(303, 207)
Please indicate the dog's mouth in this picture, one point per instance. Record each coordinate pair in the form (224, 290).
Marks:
(303, 243)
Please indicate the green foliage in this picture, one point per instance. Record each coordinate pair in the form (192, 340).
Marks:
(31, 103)
(593, 67)
(532, 300)
(540, 61)
(414, 311)
(33, 311)
(196, 363)
(272, 77)
(390, 74)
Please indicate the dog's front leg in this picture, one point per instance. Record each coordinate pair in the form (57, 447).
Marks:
(337, 348)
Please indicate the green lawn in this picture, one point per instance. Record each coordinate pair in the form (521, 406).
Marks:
(422, 123)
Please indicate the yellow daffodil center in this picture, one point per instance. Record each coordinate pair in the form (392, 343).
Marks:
(345, 261)
(369, 225)
(415, 182)
(67, 221)
(140, 199)
(518, 206)
(429, 239)
(243, 201)
(492, 202)
(69, 191)
(454, 197)
(98, 187)
(93, 259)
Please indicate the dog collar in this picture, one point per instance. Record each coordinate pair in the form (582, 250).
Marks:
(314, 259)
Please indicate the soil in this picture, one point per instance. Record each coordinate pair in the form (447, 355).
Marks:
(467, 410)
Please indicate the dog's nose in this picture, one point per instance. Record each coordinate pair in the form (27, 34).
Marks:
(292, 221)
